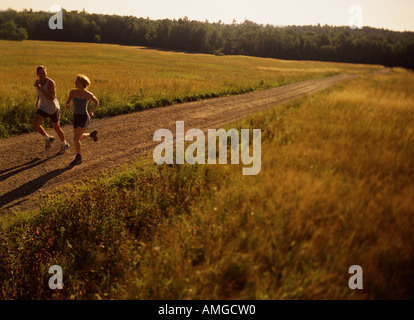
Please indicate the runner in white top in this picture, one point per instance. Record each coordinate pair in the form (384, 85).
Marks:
(49, 107)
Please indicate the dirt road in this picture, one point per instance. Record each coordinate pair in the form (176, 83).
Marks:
(27, 170)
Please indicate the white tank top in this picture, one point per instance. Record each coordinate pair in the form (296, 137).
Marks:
(50, 107)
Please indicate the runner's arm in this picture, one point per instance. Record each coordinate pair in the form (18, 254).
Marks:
(69, 99)
(51, 94)
(96, 101)
(36, 84)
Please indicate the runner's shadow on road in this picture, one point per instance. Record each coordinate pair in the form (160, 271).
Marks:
(20, 165)
(30, 187)
(7, 173)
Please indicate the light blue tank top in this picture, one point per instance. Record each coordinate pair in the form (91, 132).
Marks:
(80, 106)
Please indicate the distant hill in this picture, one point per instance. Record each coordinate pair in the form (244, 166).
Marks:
(323, 43)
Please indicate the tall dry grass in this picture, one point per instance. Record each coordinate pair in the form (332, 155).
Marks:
(335, 190)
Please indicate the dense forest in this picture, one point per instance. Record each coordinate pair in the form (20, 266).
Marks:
(323, 43)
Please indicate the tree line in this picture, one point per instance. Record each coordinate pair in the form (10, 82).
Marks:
(322, 43)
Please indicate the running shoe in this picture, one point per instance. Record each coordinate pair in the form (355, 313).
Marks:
(78, 160)
(49, 143)
(64, 147)
(94, 135)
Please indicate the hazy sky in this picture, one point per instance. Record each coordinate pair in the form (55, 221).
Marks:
(389, 14)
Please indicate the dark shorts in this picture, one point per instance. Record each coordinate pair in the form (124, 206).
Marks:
(53, 117)
(81, 120)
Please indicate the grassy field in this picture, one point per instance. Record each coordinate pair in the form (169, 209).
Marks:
(127, 79)
(335, 189)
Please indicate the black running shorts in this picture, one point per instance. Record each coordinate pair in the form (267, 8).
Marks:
(54, 117)
(81, 120)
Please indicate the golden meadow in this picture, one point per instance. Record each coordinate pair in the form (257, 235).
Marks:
(127, 79)
(336, 189)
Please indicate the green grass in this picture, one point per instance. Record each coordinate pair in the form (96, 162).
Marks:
(335, 189)
(127, 79)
